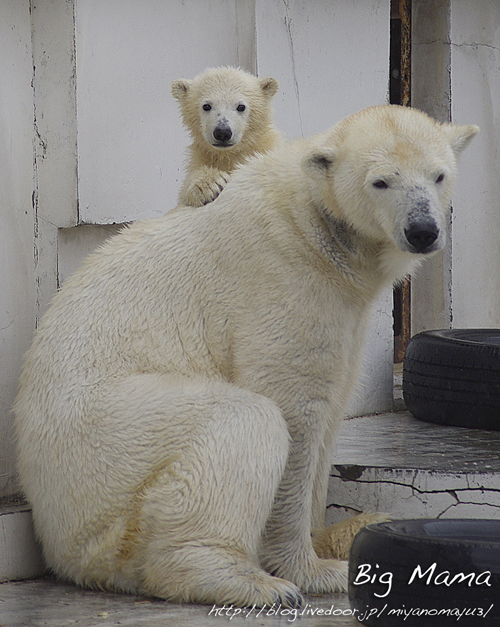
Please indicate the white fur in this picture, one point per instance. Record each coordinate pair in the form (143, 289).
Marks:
(178, 406)
(223, 100)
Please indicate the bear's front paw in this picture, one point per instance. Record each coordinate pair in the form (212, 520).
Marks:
(334, 542)
(329, 576)
(314, 575)
(206, 189)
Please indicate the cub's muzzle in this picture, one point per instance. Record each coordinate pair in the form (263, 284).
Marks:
(222, 135)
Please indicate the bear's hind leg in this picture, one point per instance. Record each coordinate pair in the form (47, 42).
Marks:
(208, 572)
(200, 515)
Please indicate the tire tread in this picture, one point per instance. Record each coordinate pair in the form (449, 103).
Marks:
(453, 381)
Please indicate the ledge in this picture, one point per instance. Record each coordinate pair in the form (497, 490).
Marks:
(20, 553)
(396, 464)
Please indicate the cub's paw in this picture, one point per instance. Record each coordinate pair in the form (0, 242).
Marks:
(205, 190)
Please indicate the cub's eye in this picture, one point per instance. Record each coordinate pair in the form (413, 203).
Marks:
(207, 107)
(240, 108)
(380, 184)
(440, 178)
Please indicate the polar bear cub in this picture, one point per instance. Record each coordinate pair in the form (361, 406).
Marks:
(229, 115)
(179, 404)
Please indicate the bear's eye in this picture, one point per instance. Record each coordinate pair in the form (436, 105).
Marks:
(440, 178)
(240, 108)
(207, 107)
(380, 184)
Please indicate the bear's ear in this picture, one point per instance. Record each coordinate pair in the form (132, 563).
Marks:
(318, 163)
(180, 88)
(460, 135)
(269, 86)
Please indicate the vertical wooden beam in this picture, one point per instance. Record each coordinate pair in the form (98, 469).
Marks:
(400, 93)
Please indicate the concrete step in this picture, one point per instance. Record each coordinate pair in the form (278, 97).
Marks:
(411, 469)
(20, 554)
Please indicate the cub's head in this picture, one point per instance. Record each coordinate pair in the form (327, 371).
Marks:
(226, 108)
(388, 172)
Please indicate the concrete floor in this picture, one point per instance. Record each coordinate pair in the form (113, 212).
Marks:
(398, 440)
(47, 603)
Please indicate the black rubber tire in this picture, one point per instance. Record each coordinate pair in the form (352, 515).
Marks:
(399, 547)
(452, 377)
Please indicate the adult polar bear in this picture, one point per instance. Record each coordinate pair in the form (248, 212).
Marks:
(180, 400)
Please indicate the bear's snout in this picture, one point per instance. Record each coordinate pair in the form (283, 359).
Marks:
(222, 134)
(421, 235)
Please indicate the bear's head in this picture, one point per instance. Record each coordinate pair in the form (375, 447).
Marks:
(226, 109)
(388, 172)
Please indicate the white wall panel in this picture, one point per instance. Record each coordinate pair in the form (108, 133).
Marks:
(331, 59)
(17, 263)
(475, 91)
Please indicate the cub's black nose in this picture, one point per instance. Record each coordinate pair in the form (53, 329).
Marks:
(222, 133)
(421, 235)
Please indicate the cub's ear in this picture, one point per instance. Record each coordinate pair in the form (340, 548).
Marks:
(180, 88)
(318, 163)
(269, 86)
(460, 135)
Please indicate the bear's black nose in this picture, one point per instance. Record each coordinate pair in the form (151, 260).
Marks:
(222, 133)
(421, 235)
